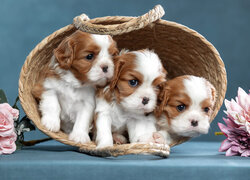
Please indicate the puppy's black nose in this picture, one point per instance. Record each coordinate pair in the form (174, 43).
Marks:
(145, 100)
(194, 123)
(105, 69)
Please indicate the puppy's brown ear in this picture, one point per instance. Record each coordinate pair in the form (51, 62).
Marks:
(213, 92)
(164, 71)
(119, 62)
(113, 50)
(162, 98)
(64, 53)
(116, 51)
(37, 91)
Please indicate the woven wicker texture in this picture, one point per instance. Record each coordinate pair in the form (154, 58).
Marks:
(182, 51)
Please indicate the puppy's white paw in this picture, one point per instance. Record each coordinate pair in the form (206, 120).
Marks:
(158, 138)
(51, 123)
(79, 137)
(119, 139)
(104, 143)
(155, 137)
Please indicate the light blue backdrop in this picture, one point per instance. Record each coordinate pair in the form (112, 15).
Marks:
(225, 23)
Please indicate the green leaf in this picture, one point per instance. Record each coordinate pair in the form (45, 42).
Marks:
(3, 98)
(19, 145)
(24, 125)
(19, 141)
(15, 105)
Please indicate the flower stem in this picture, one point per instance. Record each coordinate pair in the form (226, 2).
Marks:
(218, 133)
(33, 142)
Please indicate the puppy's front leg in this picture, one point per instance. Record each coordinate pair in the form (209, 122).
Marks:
(103, 124)
(141, 130)
(50, 109)
(103, 130)
(84, 116)
(163, 133)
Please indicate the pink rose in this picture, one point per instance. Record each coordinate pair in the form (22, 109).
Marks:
(7, 134)
(13, 111)
(7, 144)
(7, 116)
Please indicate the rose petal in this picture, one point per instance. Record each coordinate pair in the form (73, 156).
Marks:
(10, 149)
(5, 114)
(6, 106)
(6, 132)
(7, 144)
(15, 113)
(6, 120)
(5, 140)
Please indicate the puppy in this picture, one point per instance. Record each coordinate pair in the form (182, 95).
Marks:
(128, 102)
(186, 106)
(66, 91)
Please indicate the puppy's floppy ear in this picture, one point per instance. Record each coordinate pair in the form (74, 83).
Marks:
(119, 62)
(116, 51)
(113, 50)
(164, 71)
(212, 91)
(162, 98)
(64, 53)
(37, 91)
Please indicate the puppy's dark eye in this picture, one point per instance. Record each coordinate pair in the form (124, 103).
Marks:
(158, 87)
(206, 109)
(115, 53)
(89, 56)
(181, 107)
(133, 82)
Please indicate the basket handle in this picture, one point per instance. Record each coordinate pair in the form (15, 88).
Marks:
(82, 22)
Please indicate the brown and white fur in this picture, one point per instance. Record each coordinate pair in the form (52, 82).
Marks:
(186, 106)
(127, 103)
(81, 62)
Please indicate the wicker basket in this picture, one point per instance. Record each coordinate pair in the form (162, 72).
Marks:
(182, 51)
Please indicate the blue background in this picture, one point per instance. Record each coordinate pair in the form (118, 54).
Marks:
(225, 23)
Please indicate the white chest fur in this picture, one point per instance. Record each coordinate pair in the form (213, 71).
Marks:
(113, 119)
(71, 99)
(68, 105)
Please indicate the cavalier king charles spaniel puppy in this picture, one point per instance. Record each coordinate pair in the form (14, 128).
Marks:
(128, 102)
(186, 106)
(66, 90)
